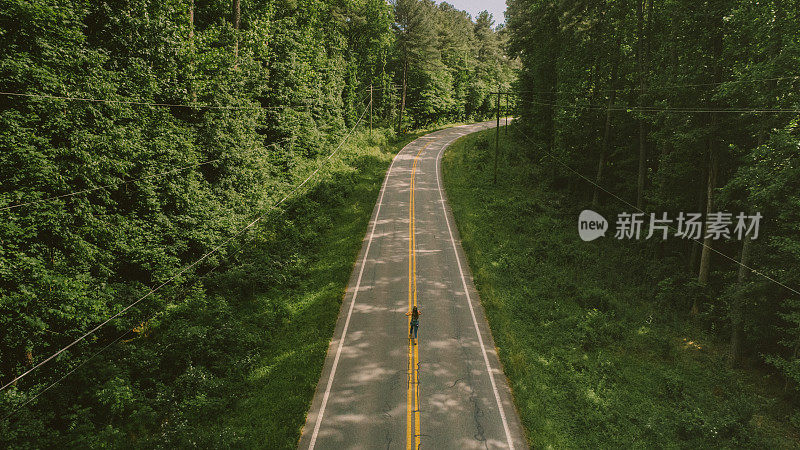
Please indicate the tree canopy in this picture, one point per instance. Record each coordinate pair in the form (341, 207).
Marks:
(138, 136)
(671, 106)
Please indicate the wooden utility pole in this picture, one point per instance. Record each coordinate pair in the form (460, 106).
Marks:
(497, 136)
(497, 132)
(506, 129)
(403, 99)
(370, 111)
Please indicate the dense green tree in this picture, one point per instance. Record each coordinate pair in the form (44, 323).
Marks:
(416, 43)
(678, 106)
(187, 119)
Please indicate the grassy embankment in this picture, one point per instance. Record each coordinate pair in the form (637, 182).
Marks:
(308, 255)
(232, 359)
(591, 359)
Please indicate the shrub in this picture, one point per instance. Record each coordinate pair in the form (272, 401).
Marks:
(595, 298)
(677, 294)
(597, 329)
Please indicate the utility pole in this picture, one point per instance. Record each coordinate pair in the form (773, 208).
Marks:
(370, 110)
(506, 129)
(497, 136)
(403, 98)
(497, 133)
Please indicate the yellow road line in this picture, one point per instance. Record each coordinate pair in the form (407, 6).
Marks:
(416, 398)
(412, 394)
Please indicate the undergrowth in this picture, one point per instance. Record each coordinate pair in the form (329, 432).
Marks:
(234, 360)
(585, 330)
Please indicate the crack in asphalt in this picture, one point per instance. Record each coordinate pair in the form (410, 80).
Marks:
(388, 440)
(386, 415)
(477, 413)
(458, 401)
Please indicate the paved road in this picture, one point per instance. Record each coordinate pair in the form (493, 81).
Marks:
(378, 388)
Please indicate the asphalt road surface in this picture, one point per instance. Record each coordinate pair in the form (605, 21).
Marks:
(380, 389)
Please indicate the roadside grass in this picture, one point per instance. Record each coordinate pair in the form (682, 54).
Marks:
(580, 326)
(305, 256)
(228, 358)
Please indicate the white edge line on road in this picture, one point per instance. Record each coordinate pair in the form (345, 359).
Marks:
(350, 310)
(469, 301)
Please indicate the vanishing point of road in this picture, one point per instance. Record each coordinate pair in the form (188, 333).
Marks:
(378, 388)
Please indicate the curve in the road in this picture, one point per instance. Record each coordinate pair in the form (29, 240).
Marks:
(380, 389)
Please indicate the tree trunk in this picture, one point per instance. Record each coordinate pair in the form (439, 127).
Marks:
(551, 77)
(640, 181)
(693, 255)
(705, 256)
(607, 130)
(640, 63)
(695, 246)
(594, 82)
(237, 15)
(713, 161)
(403, 98)
(736, 305)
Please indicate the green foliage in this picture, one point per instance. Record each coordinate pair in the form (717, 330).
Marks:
(235, 358)
(677, 107)
(675, 295)
(585, 330)
(449, 63)
(199, 128)
(789, 363)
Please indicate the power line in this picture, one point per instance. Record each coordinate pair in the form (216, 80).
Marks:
(153, 104)
(391, 86)
(117, 339)
(121, 183)
(186, 268)
(97, 353)
(673, 228)
(194, 105)
(666, 86)
(666, 110)
(363, 97)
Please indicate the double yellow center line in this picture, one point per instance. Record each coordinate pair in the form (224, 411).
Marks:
(412, 397)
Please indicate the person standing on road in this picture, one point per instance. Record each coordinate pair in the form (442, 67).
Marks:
(414, 322)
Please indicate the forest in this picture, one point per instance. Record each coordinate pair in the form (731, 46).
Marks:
(670, 107)
(185, 185)
(154, 210)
